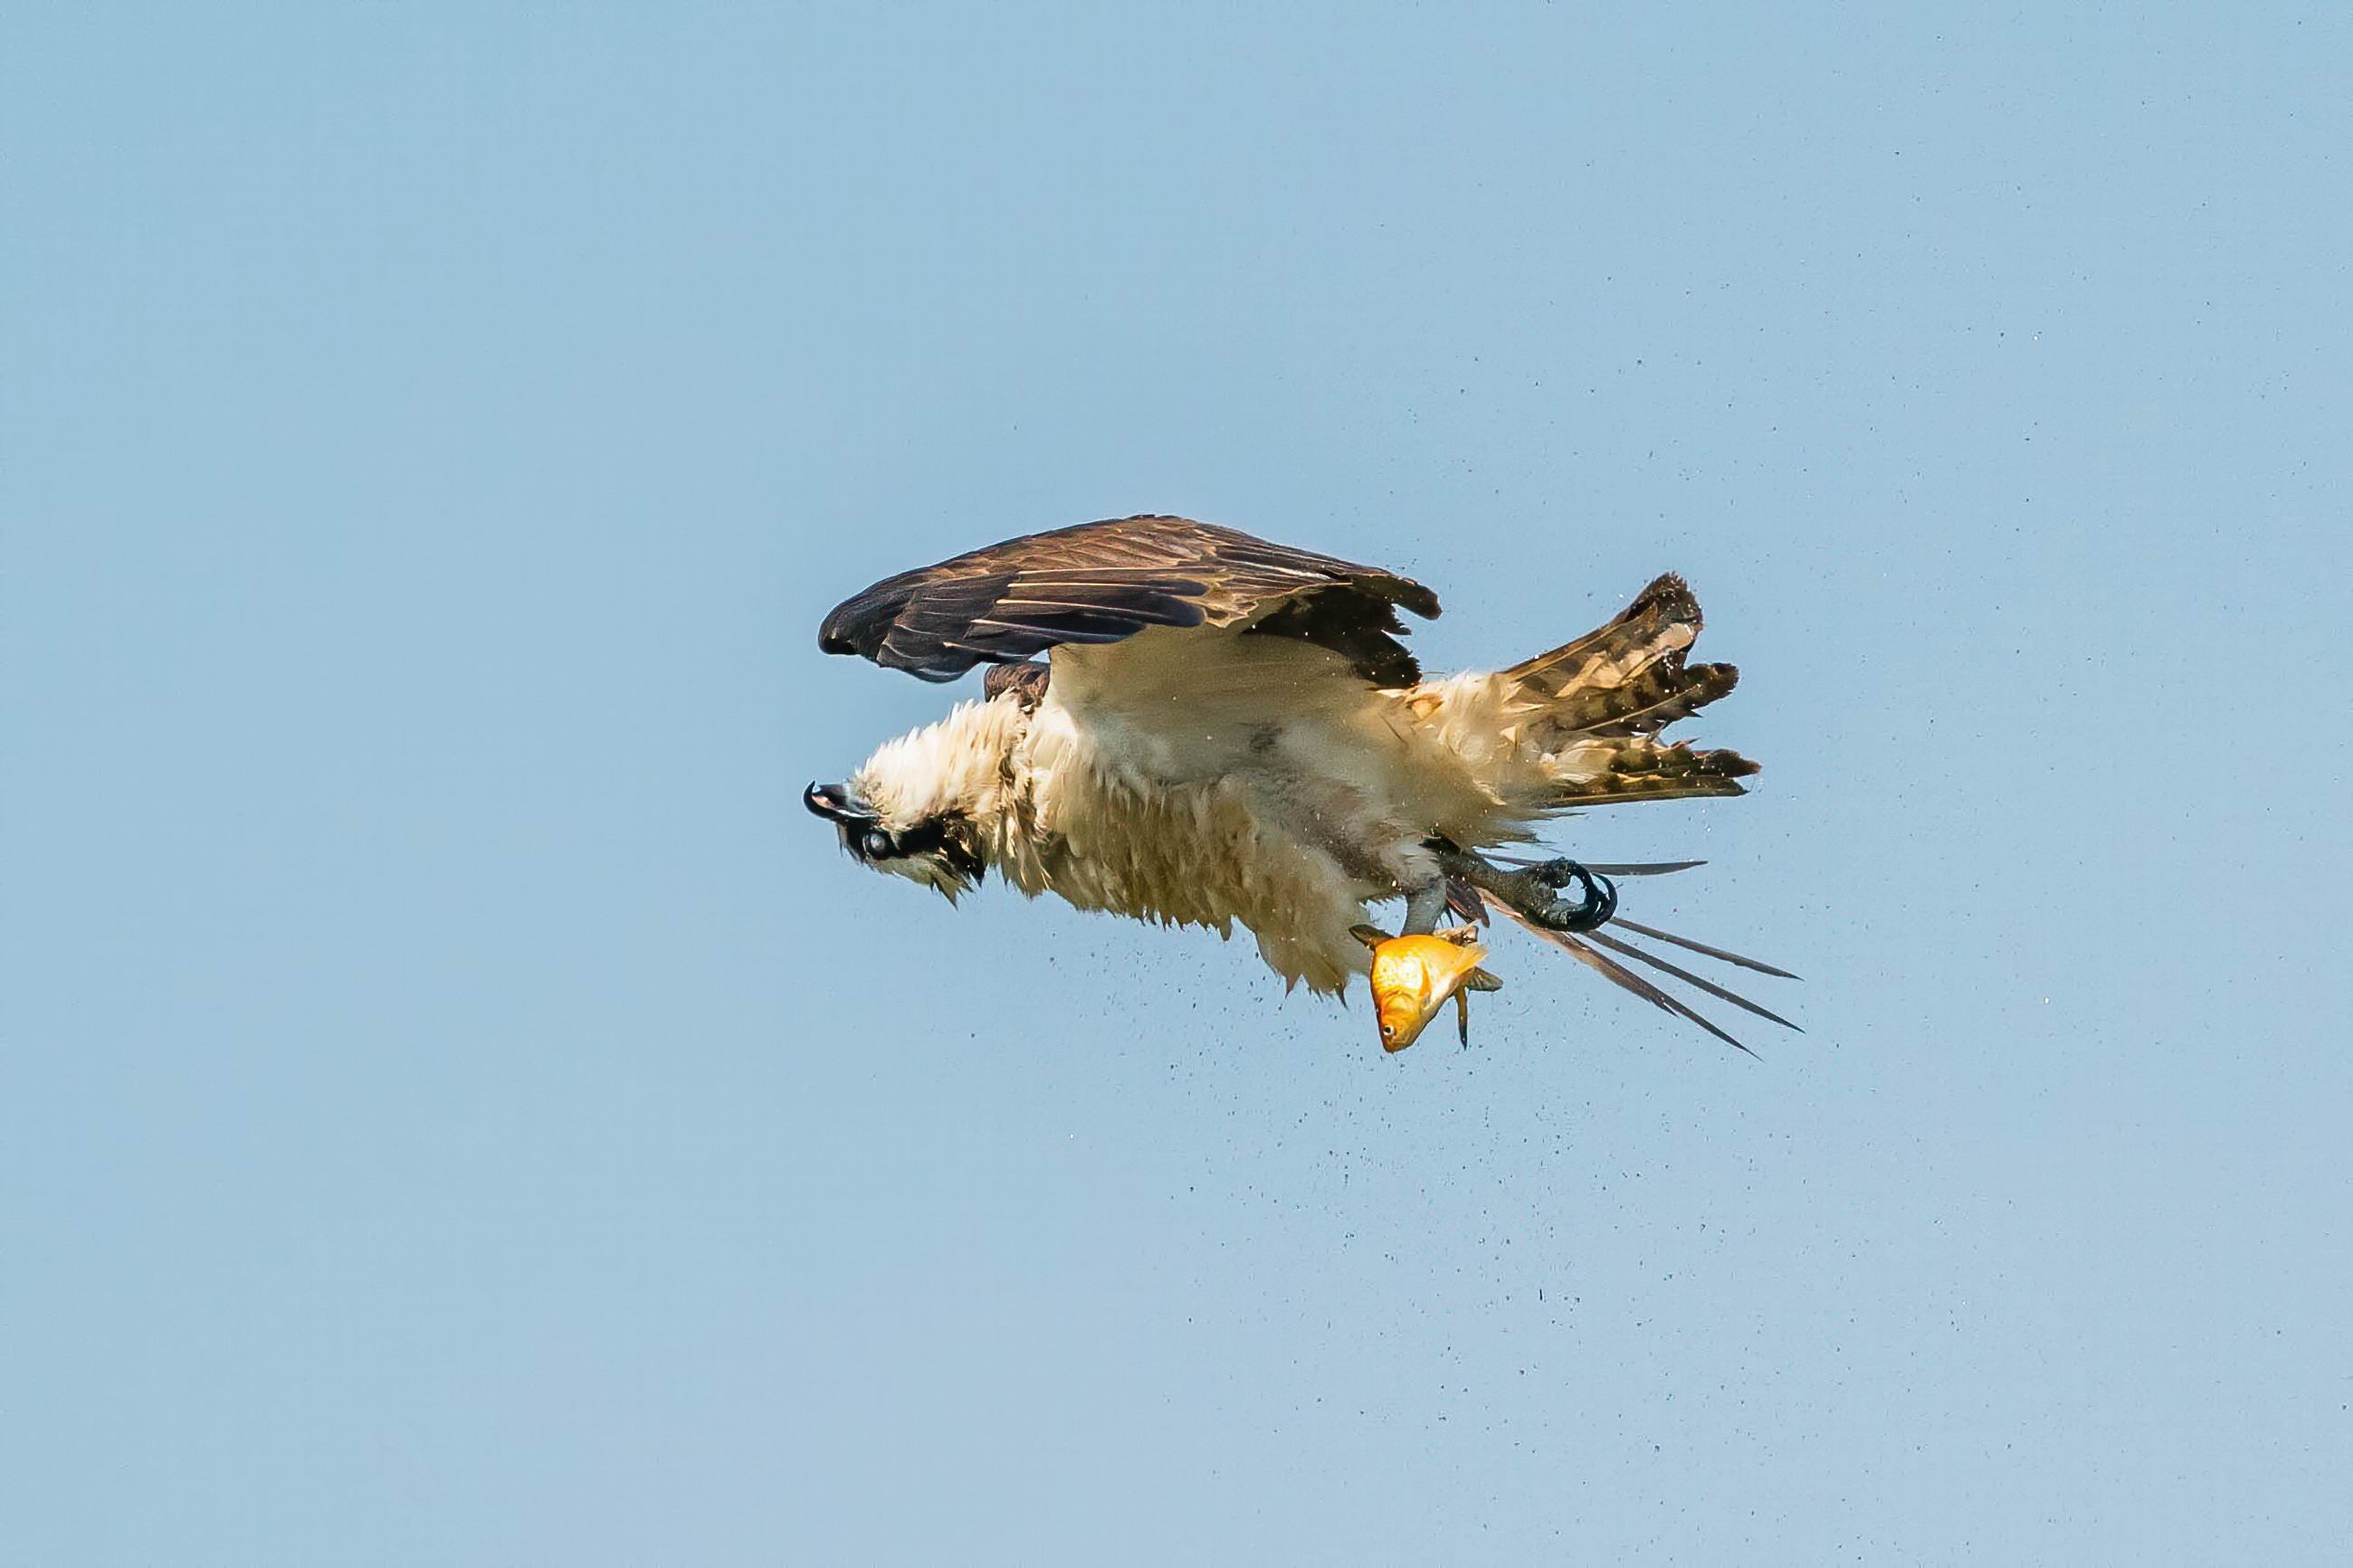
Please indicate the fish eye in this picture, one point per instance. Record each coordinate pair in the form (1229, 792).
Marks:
(878, 846)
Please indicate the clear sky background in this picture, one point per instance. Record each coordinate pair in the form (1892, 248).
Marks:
(457, 1107)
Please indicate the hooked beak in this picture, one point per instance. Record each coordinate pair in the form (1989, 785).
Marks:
(834, 804)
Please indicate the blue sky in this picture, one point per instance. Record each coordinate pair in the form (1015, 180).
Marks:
(455, 1107)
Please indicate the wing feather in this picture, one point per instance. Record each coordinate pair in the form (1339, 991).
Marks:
(1102, 581)
(1614, 944)
(1758, 965)
(1618, 975)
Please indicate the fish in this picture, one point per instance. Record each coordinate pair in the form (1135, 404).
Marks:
(1414, 975)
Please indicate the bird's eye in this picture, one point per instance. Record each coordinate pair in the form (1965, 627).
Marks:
(877, 844)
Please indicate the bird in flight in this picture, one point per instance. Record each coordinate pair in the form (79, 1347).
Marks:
(1223, 731)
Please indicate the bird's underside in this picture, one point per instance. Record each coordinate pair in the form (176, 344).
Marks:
(1229, 732)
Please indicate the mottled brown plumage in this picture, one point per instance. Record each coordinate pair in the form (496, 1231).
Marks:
(1104, 582)
(1025, 682)
(1645, 770)
(1627, 676)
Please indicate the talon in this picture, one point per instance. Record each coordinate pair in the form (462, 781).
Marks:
(1534, 891)
(1597, 896)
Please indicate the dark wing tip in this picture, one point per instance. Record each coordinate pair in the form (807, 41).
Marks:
(863, 623)
(1411, 594)
(857, 624)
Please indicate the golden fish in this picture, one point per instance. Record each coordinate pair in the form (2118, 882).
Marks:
(1414, 975)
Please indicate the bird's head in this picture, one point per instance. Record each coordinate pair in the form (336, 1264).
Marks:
(938, 850)
(920, 806)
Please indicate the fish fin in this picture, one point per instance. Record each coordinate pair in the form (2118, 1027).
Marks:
(1480, 980)
(1371, 936)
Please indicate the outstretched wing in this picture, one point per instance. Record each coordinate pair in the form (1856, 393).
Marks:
(1104, 582)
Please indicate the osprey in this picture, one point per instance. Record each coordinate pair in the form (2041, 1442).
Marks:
(1226, 730)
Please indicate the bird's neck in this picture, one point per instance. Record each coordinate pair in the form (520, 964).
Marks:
(963, 765)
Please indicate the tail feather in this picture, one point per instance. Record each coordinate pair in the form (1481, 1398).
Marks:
(1591, 706)
(1579, 727)
(1665, 614)
(1604, 772)
(1627, 678)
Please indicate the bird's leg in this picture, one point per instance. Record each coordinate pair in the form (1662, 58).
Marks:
(1535, 892)
(1424, 904)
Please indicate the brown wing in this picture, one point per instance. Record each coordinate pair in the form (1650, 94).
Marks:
(1101, 581)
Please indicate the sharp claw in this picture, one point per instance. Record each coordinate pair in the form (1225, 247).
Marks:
(1597, 896)
(1533, 891)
